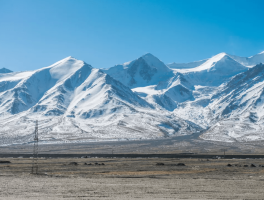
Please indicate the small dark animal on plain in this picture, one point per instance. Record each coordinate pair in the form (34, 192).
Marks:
(73, 163)
(4, 161)
(159, 164)
(180, 164)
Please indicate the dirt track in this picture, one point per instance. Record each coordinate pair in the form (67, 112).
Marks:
(138, 178)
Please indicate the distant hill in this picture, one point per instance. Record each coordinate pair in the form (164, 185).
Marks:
(4, 70)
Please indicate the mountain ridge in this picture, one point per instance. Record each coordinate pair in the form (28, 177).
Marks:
(140, 99)
(74, 102)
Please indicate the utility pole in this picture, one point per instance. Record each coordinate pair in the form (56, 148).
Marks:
(224, 150)
(35, 151)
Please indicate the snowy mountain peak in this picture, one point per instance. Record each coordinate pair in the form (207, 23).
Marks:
(65, 67)
(64, 60)
(146, 70)
(22, 90)
(153, 61)
(148, 55)
(69, 58)
(221, 60)
(222, 54)
(214, 71)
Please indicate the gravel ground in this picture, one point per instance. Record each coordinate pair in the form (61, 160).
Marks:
(132, 179)
(172, 187)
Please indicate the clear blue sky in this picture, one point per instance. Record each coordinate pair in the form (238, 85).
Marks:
(37, 33)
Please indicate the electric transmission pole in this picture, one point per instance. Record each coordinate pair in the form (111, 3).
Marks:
(35, 151)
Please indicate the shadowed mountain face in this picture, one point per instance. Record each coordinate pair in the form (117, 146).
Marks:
(238, 108)
(242, 95)
(144, 71)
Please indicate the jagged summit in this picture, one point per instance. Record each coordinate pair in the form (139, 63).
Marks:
(148, 55)
(221, 57)
(153, 61)
(67, 58)
(146, 70)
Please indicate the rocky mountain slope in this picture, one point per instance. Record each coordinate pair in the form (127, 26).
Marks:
(238, 108)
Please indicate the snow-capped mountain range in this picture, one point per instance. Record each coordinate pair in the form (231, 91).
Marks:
(219, 97)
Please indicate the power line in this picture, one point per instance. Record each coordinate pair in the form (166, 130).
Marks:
(35, 151)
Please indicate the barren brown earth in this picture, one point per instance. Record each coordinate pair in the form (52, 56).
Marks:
(132, 178)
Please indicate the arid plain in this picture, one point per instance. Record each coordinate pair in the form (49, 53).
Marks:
(132, 178)
(66, 172)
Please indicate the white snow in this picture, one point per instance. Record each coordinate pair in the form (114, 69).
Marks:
(15, 76)
(148, 90)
